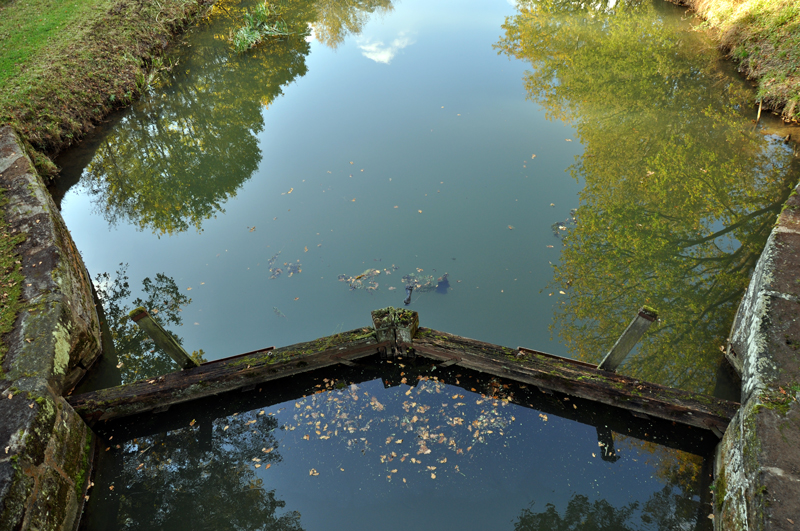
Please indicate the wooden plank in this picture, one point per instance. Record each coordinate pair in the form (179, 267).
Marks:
(224, 375)
(547, 372)
(576, 379)
(605, 419)
(162, 338)
(628, 339)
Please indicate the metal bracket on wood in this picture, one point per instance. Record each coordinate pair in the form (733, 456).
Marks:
(628, 339)
(398, 327)
(162, 338)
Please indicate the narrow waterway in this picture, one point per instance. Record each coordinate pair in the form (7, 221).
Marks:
(538, 171)
(557, 165)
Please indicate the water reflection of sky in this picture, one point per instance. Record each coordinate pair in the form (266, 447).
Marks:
(444, 129)
(404, 143)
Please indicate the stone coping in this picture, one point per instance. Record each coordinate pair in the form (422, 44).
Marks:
(45, 448)
(758, 461)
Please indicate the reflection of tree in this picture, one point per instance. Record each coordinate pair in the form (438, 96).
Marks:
(181, 152)
(580, 515)
(679, 193)
(137, 353)
(336, 20)
(675, 506)
(198, 477)
(664, 511)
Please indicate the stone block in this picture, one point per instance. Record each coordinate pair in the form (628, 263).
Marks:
(57, 335)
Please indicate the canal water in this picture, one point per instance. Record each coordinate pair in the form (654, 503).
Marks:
(400, 444)
(538, 171)
(561, 165)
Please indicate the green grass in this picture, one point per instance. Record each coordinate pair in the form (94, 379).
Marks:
(66, 65)
(764, 37)
(262, 22)
(26, 28)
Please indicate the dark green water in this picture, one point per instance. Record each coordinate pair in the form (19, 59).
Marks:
(562, 163)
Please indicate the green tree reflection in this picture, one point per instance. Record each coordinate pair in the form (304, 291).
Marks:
(580, 514)
(136, 354)
(197, 477)
(680, 193)
(674, 506)
(336, 20)
(182, 151)
(666, 510)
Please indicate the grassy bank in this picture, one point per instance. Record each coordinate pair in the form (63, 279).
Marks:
(64, 65)
(763, 36)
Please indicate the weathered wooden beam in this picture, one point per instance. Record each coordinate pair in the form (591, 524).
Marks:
(549, 373)
(628, 339)
(239, 372)
(397, 326)
(162, 338)
(607, 420)
(579, 379)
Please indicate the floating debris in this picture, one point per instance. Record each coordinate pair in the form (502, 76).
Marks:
(421, 430)
(420, 283)
(292, 268)
(278, 312)
(561, 226)
(365, 280)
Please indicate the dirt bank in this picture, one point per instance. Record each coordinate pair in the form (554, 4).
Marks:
(763, 38)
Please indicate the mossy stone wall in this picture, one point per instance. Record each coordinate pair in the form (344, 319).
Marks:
(759, 456)
(45, 446)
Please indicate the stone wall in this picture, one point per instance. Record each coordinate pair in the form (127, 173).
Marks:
(45, 448)
(758, 460)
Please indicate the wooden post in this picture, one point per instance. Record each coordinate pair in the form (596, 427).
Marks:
(406, 324)
(398, 327)
(162, 338)
(628, 339)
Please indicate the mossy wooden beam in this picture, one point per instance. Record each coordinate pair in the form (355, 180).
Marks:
(632, 334)
(575, 378)
(549, 373)
(162, 338)
(239, 372)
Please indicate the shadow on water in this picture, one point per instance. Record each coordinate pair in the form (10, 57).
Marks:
(680, 191)
(213, 454)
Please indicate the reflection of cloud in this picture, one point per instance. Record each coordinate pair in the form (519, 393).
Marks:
(380, 53)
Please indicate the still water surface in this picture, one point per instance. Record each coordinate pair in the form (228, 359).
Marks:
(398, 445)
(562, 163)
